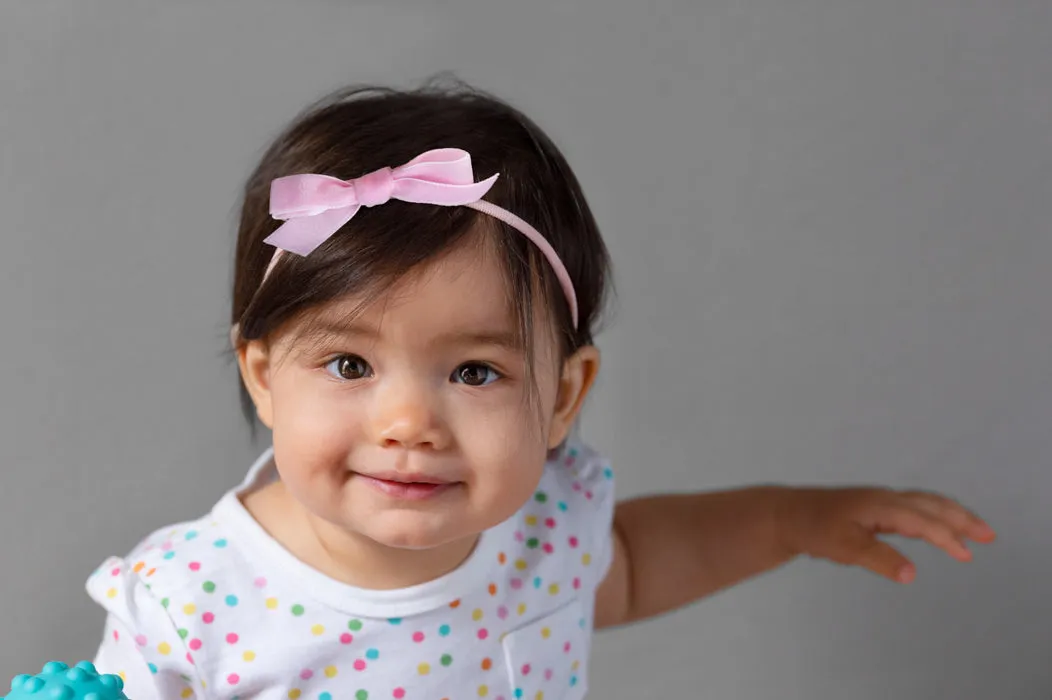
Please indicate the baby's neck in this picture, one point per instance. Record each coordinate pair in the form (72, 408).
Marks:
(346, 557)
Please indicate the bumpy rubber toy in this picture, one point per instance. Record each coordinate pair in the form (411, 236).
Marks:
(59, 681)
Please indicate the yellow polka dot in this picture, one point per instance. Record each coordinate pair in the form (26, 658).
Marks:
(112, 593)
(187, 692)
(189, 608)
(317, 630)
(294, 693)
(249, 656)
(576, 665)
(545, 632)
(476, 614)
(203, 684)
(423, 669)
(164, 649)
(483, 691)
(123, 676)
(330, 672)
(586, 558)
(553, 589)
(520, 564)
(521, 609)
(540, 695)
(531, 520)
(272, 603)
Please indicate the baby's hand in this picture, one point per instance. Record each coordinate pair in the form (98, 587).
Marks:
(844, 524)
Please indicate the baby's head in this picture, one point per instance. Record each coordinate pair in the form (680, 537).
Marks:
(420, 343)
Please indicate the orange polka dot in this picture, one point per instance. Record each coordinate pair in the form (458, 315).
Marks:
(151, 572)
(455, 604)
(138, 567)
(493, 589)
(502, 558)
(487, 664)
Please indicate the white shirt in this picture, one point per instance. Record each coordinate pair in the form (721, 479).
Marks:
(216, 608)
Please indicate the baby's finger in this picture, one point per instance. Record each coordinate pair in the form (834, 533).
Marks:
(918, 524)
(882, 559)
(964, 521)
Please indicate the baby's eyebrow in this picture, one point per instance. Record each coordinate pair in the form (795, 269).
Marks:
(504, 339)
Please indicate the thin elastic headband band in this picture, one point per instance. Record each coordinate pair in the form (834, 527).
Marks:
(314, 207)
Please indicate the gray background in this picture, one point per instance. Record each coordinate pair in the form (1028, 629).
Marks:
(830, 222)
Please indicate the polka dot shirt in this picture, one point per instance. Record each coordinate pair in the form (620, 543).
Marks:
(216, 608)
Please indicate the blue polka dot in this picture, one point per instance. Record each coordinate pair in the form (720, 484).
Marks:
(573, 681)
(231, 600)
(537, 582)
(562, 506)
(518, 692)
(444, 630)
(169, 555)
(220, 543)
(325, 696)
(608, 473)
(191, 535)
(395, 620)
(372, 654)
(153, 669)
(581, 623)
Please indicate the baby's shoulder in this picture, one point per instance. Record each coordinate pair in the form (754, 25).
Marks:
(576, 472)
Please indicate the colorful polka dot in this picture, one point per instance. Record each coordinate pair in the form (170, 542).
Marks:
(354, 625)
(189, 609)
(476, 614)
(372, 654)
(233, 679)
(208, 587)
(272, 604)
(541, 497)
(423, 669)
(220, 544)
(330, 671)
(361, 695)
(297, 610)
(483, 691)
(325, 696)
(249, 656)
(346, 638)
(399, 693)
(231, 600)
(231, 638)
(294, 694)
(317, 630)
(444, 630)
(418, 637)
(359, 665)
(164, 649)
(208, 618)
(446, 660)
(183, 633)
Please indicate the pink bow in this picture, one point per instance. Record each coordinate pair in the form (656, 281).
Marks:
(314, 207)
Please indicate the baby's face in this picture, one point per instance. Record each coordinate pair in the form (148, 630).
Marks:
(412, 425)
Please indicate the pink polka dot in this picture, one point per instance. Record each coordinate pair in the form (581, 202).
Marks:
(399, 693)
(548, 548)
(570, 460)
(346, 638)
(306, 674)
(261, 582)
(359, 665)
(208, 618)
(418, 637)
(166, 546)
(116, 636)
(116, 572)
(566, 647)
(516, 583)
(526, 670)
(548, 675)
(483, 633)
(550, 522)
(231, 638)
(502, 612)
(233, 679)
(573, 542)
(195, 566)
(519, 537)
(141, 640)
(195, 644)
(577, 486)
(190, 658)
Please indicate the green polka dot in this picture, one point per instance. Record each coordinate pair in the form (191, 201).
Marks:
(297, 609)
(361, 695)
(208, 587)
(183, 634)
(447, 659)
(532, 543)
(541, 497)
(164, 602)
(354, 625)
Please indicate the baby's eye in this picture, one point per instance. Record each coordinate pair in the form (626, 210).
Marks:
(348, 367)
(475, 374)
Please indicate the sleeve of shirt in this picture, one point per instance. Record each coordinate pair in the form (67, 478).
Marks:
(141, 643)
(593, 494)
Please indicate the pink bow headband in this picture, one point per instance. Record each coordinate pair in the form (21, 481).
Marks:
(314, 207)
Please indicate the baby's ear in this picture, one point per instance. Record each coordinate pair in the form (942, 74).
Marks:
(578, 375)
(254, 361)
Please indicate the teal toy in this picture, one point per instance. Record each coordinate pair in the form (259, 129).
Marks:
(57, 680)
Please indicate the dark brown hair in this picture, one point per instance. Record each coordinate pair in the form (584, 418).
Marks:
(359, 129)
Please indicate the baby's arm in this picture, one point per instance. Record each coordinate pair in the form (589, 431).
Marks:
(672, 550)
